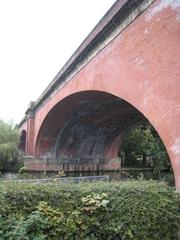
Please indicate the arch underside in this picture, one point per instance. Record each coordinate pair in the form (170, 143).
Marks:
(22, 142)
(86, 128)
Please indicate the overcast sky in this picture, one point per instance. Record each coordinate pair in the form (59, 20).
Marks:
(37, 37)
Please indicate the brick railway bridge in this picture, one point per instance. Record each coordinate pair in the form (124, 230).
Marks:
(126, 71)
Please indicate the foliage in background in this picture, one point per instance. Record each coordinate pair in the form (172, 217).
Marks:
(129, 210)
(9, 138)
(144, 141)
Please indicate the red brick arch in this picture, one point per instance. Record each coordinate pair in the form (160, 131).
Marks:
(101, 109)
(141, 66)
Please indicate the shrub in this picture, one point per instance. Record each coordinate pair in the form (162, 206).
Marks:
(129, 210)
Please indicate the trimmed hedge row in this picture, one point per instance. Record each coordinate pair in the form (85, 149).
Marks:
(90, 211)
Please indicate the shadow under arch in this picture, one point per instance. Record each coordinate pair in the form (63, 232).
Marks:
(22, 141)
(86, 127)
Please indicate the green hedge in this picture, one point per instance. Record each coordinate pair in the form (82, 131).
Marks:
(89, 211)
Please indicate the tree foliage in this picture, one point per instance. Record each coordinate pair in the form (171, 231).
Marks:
(144, 142)
(9, 138)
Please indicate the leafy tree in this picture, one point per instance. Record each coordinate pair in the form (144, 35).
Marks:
(145, 142)
(9, 138)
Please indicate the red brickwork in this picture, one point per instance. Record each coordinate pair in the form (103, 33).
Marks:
(141, 66)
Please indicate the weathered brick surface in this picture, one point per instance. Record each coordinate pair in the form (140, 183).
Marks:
(141, 66)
